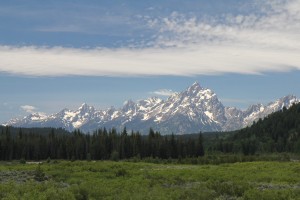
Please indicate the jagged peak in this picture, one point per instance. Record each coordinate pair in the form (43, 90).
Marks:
(287, 100)
(289, 97)
(254, 108)
(195, 86)
(128, 105)
(150, 99)
(196, 83)
(36, 116)
(110, 109)
(128, 102)
(85, 107)
(196, 103)
(154, 99)
(197, 90)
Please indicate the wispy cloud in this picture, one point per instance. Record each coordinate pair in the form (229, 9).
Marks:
(28, 108)
(60, 28)
(247, 44)
(163, 92)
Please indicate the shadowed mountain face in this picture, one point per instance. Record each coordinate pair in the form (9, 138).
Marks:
(193, 110)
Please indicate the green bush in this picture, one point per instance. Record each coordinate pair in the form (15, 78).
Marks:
(39, 174)
(121, 172)
(80, 193)
(22, 161)
(229, 188)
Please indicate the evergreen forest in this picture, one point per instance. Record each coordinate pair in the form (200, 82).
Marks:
(277, 133)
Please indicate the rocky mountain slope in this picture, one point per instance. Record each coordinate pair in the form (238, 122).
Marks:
(193, 110)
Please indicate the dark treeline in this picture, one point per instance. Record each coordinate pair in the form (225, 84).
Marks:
(101, 145)
(278, 132)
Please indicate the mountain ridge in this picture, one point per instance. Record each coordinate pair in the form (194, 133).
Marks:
(192, 110)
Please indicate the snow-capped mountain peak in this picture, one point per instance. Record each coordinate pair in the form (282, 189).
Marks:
(192, 110)
(195, 88)
(197, 91)
(36, 116)
(84, 108)
(128, 105)
(257, 111)
(283, 102)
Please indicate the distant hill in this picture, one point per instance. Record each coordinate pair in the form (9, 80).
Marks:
(278, 132)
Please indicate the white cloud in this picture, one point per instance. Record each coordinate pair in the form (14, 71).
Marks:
(28, 108)
(163, 92)
(250, 44)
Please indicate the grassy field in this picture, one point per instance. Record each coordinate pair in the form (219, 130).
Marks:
(129, 180)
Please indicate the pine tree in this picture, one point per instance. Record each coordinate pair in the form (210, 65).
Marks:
(200, 147)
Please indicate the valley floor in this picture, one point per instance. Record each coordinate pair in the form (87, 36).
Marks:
(129, 180)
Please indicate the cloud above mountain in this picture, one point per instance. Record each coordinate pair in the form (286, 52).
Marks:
(28, 108)
(254, 43)
(163, 92)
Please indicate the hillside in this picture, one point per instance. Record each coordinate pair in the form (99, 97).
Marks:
(278, 132)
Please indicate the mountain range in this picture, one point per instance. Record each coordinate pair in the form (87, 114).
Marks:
(190, 111)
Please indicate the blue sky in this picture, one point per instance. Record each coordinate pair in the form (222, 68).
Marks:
(57, 54)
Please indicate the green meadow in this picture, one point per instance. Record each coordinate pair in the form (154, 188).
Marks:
(140, 180)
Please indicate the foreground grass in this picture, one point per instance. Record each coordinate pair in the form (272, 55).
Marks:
(127, 180)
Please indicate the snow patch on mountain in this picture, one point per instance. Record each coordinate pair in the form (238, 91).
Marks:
(193, 110)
